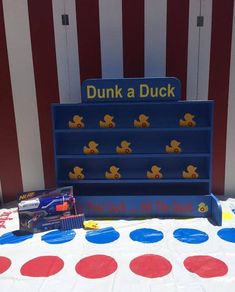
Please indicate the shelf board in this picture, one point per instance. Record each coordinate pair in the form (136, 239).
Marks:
(112, 130)
(131, 103)
(133, 181)
(126, 156)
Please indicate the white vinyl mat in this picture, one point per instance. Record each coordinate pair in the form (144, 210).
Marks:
(150, 255)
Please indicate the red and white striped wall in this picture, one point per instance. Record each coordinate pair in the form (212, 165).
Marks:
(44, 62)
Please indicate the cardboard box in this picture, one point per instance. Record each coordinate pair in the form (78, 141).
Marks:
(41, 210)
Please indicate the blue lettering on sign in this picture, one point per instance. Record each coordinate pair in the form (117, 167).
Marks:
(131, 89)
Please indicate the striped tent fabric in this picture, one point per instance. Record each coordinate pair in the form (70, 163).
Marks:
(44, 60)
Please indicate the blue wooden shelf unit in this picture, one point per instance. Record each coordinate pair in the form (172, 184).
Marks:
(131, 156)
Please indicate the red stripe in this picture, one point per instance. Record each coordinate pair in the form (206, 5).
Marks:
(45, 71)
(177, 41)
(221, 37)
(10, 172)
(88, 38)
(133, 38)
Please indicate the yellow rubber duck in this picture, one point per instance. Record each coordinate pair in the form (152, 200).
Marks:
(154, 173)
(91, 149)
(142, 122)
(188, 121)
(124, 149)
(77, 122)
(174, 147)
(77, 173)
(113, 173)
(107, 122)
(90, 225)
(191, 172)
(202, 208)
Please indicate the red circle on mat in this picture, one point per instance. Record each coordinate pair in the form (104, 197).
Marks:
(206, 266)
(5, 264)
(96, 266)
(150, 266)
(44, 266)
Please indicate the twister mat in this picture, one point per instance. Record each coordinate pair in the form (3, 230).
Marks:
(165, 255)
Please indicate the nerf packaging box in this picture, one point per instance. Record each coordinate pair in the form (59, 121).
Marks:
(41, 210)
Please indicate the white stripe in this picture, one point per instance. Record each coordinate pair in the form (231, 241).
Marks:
(61, 50)
(204, 50)
(110, 15)
(72, 52)
(155, 37)
(24, 94)
(230, 157)
(199, 42)
(193, 49)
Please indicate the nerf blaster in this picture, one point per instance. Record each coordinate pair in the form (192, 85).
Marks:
(48, 206)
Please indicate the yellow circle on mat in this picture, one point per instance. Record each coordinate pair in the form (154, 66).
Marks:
(227, 216)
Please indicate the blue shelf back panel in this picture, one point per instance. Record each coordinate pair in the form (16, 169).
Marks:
(161, 115)
(141, 140)
(131, 167)
(147, 145)
(138, 187)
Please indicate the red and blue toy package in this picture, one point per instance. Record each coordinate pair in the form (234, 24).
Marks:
(42, 210)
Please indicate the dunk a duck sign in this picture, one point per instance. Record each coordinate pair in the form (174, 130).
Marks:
(131, 89)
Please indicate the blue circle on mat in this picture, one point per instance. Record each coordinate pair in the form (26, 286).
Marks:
(192, 236)
(227, 234)
(104, 235)
(146, 235)
(14, 237)
(57, 236)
